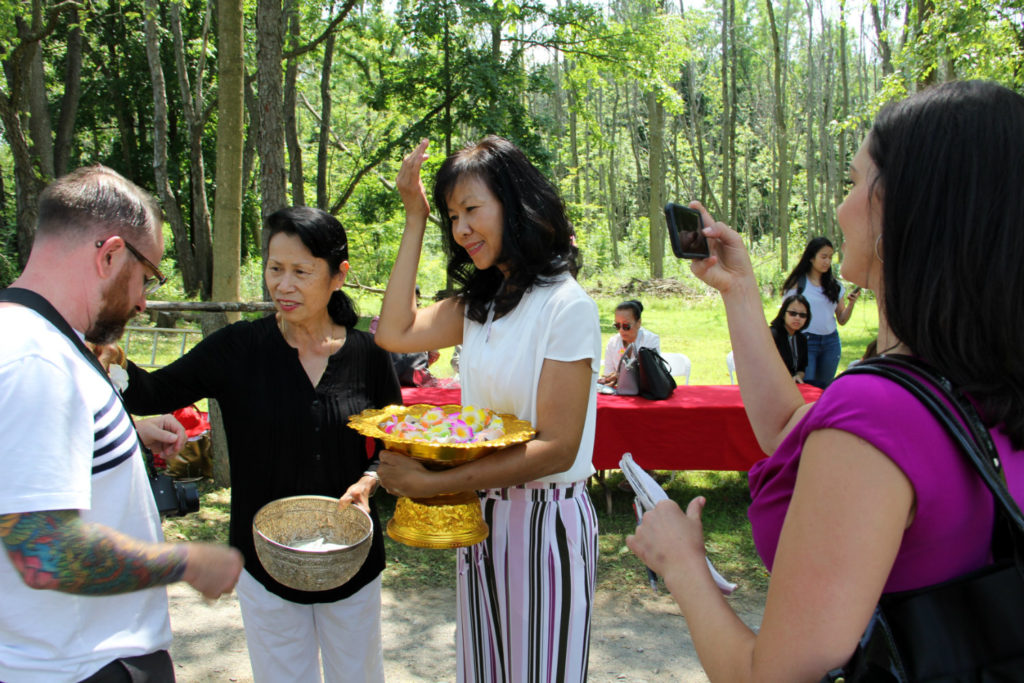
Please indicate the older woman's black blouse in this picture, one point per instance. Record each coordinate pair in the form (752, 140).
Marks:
(285, 436)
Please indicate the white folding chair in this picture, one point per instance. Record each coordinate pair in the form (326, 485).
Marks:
(730, 362)
(680, 365)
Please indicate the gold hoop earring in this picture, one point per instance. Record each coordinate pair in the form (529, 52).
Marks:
(877, 255)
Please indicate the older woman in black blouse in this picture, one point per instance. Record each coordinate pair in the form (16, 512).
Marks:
(286, 385)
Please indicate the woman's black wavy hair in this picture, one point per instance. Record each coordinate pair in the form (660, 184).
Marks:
(537, 238)
(950, 166)
(325, 238)
(779, 320)
(829, 285)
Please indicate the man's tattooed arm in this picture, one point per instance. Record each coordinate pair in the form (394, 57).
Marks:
(56, 550)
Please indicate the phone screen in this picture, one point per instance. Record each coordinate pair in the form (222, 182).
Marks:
(684, 232)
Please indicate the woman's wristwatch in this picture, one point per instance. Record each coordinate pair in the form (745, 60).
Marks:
(376, 480)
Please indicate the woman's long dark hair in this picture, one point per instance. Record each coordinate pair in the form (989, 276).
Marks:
(829, 285)
(951, 180)
(779, 321)
(536, 240)
(323, 235)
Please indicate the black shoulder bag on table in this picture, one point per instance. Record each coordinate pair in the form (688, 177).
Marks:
(655, 380)
(970, 628)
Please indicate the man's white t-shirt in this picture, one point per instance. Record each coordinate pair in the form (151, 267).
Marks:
(66, 443)
(501, 363)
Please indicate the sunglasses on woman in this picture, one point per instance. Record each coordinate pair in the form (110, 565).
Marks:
(796, 314)
(623, 326)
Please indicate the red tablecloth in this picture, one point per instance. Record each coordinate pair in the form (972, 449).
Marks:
(699, 427)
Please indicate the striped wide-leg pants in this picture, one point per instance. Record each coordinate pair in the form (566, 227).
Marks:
(526, 593)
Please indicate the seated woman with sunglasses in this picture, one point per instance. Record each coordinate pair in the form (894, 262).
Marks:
(794, 316)
(627, 324)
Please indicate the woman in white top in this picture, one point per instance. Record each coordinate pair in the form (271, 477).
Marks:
(812, 277)
(531, 346)
(627, 324)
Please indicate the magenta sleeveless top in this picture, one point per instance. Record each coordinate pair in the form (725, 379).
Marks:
(952, 527)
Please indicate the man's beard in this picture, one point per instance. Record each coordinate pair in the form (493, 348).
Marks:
(115, 312)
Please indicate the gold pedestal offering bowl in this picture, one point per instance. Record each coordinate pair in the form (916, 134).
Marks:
(450, 520)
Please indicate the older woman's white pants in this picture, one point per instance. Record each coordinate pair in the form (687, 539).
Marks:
(287, 640)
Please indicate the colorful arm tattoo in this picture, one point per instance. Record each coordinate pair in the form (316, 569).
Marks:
(56, 550)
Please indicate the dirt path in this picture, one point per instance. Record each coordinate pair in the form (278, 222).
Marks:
(639, 638)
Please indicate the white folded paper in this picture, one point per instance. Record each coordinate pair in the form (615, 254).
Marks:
(648, 494)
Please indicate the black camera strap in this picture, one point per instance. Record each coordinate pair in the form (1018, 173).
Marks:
(29, 299)
(39, 304)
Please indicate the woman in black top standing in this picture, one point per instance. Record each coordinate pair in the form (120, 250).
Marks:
(286, 385)
(793, 317)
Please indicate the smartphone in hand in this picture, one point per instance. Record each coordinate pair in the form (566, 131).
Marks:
(685, 232)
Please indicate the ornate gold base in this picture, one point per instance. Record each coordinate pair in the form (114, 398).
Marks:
(447, 521)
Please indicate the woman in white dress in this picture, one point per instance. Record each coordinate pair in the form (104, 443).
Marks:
(531, 346)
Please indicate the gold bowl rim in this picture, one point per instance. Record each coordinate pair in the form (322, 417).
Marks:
(366, 423)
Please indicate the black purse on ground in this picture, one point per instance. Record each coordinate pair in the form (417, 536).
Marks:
(655, 380)
(967, 629)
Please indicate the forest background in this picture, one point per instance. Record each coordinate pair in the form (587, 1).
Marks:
(228, 111)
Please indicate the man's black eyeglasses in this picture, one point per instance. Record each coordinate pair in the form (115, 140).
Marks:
(796, 314)
(623, 326)
(150, 284)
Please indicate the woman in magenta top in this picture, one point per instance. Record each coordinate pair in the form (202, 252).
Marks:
(864, 492)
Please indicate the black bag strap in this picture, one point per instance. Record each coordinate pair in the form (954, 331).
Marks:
(648, 351)
(39, 304)
(968, 431)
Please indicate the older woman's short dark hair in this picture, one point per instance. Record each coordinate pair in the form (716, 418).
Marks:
(325, 238)
(634, 306)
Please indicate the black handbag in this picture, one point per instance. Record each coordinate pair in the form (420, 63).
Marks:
(655, 380)
(967, 629)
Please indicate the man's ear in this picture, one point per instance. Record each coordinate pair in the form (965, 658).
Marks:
(109, 252)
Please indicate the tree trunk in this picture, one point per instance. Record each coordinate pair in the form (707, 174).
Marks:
(881, 38)
(781, 140)
(171, 209)
(325, 123)
(27, 181)
(724, 211)
(69, 102)
(227, 225)
(290, 124)
(122, 112)
(811, 174)
(614, 227)
(195, 119)
(270, 144)
(39, 127)
(733, 211)
(844, 75)
(656, 174)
